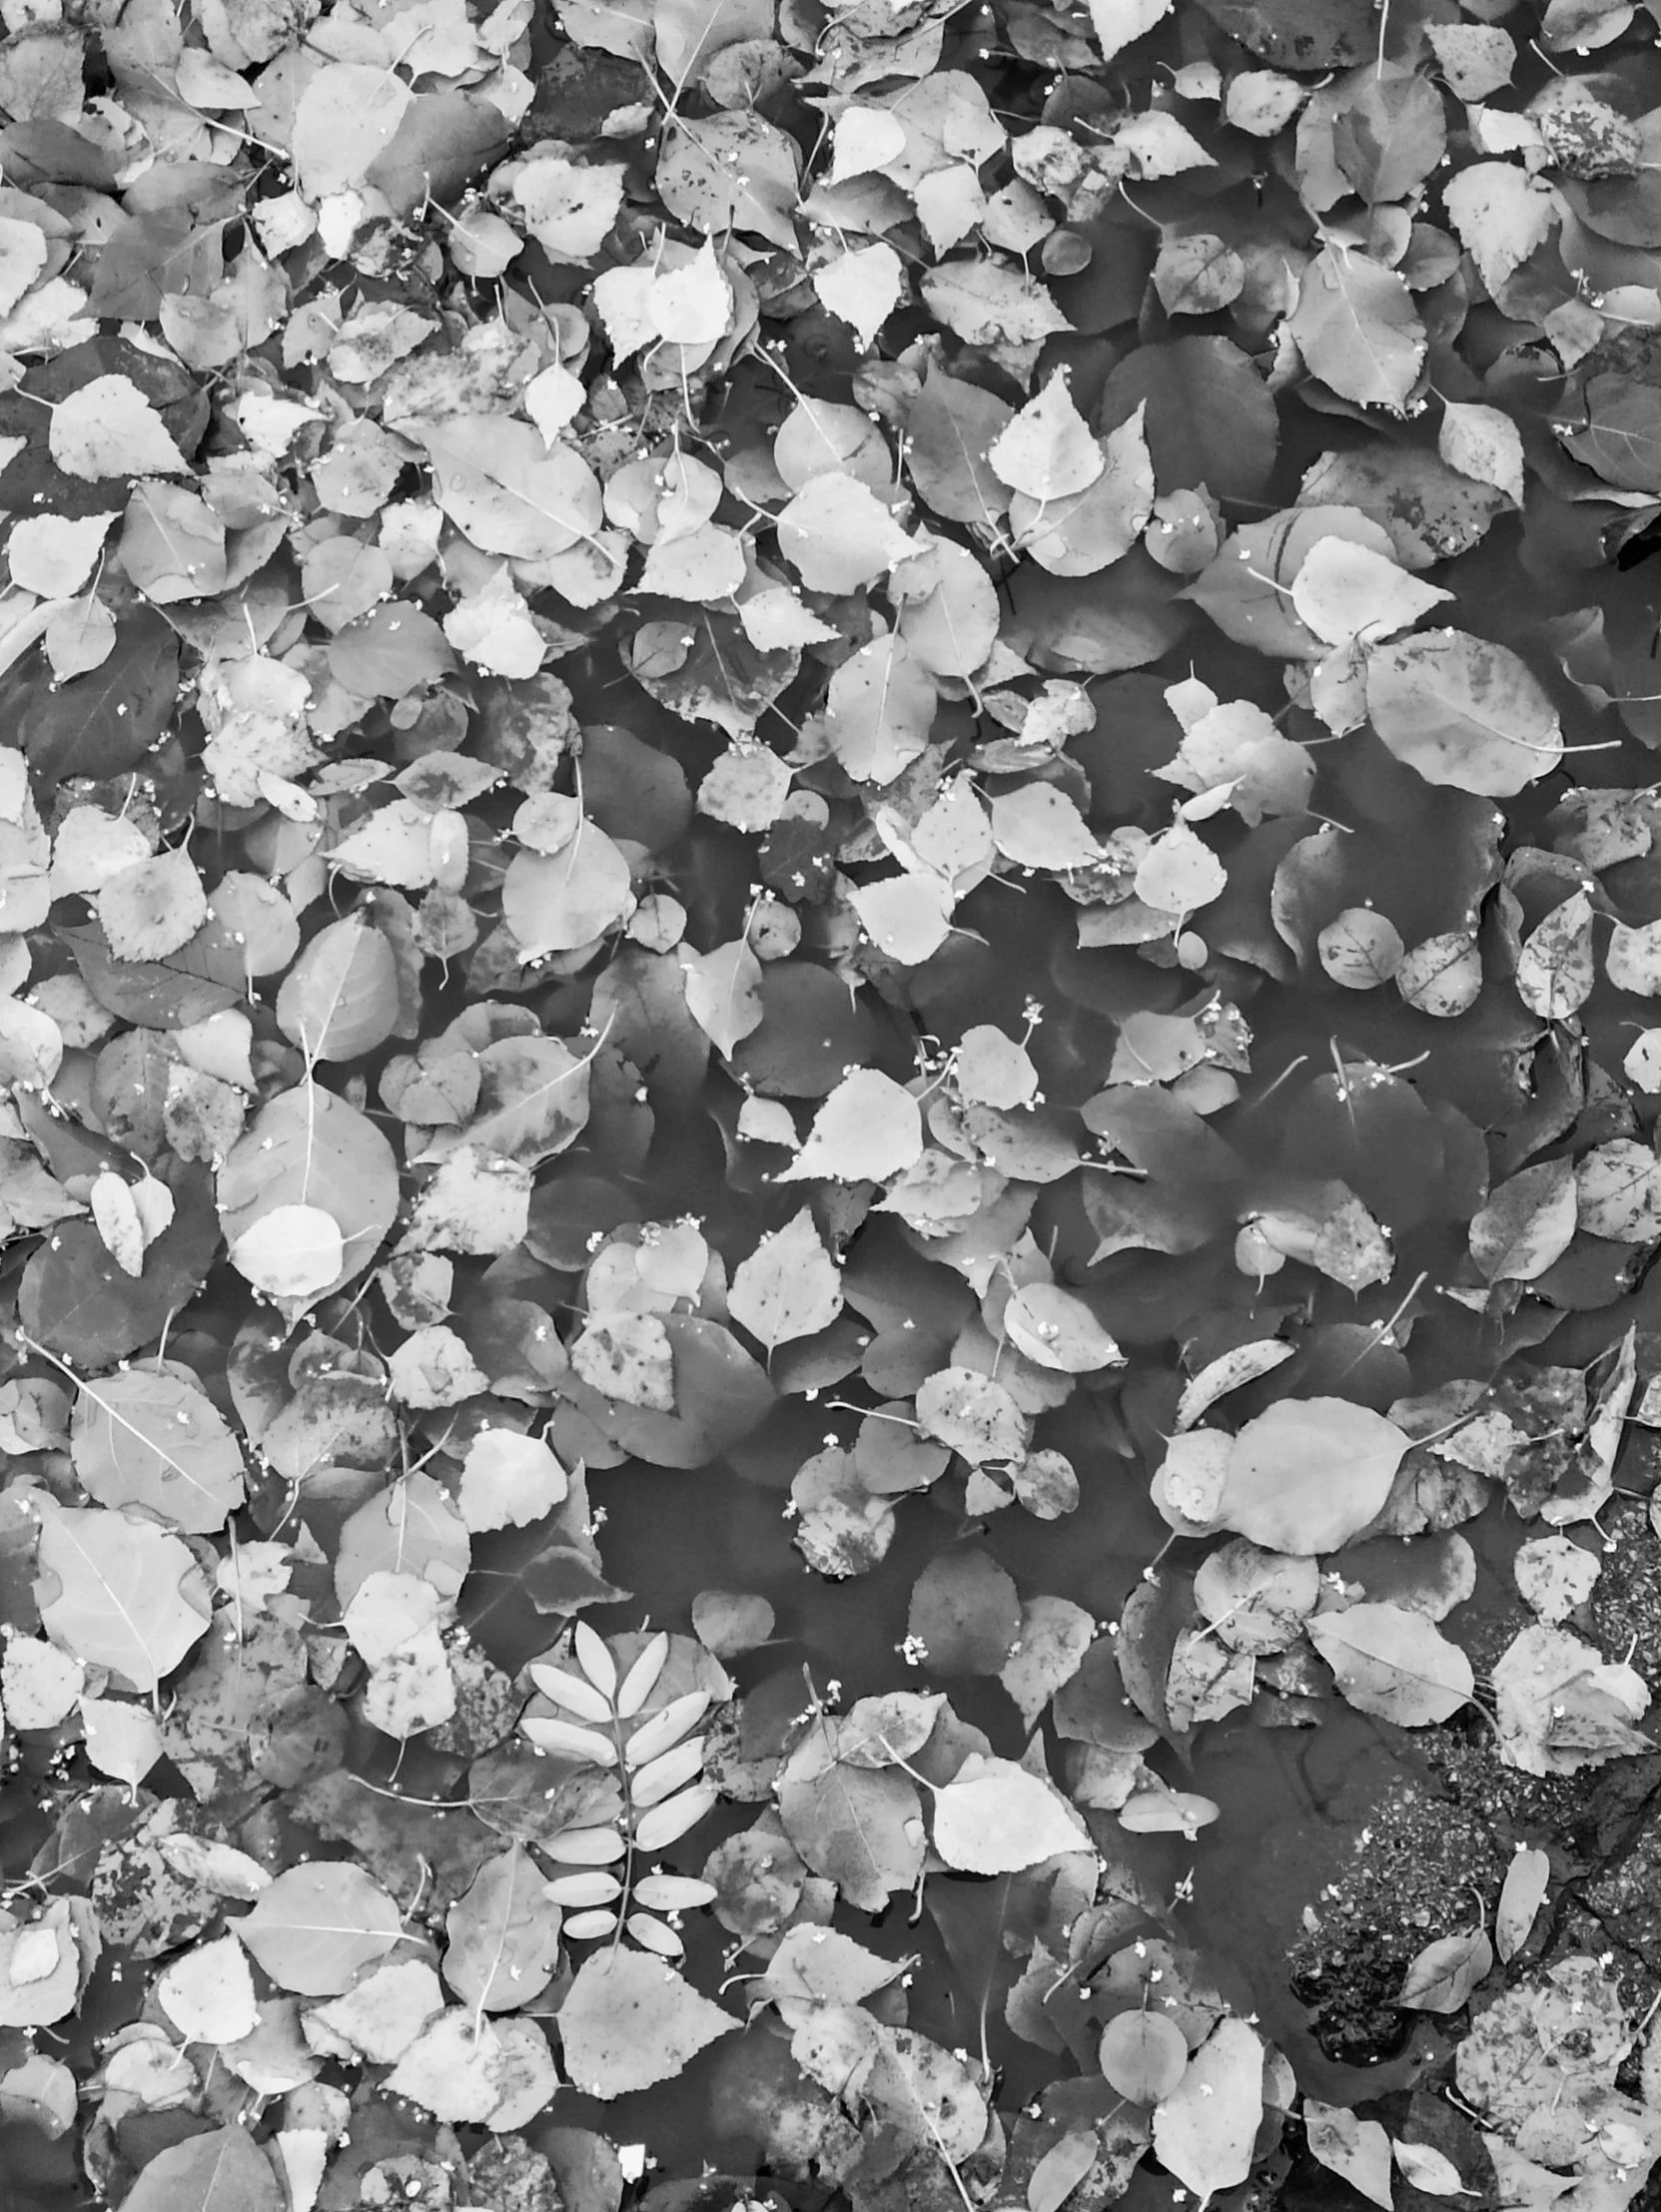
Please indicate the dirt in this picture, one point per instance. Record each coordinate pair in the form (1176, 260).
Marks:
(1448, 1823)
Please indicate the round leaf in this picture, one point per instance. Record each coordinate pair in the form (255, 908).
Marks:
(1144, 2056)
(340, 999)
(1309, 1474)
(293, 1251)
(317, 1925)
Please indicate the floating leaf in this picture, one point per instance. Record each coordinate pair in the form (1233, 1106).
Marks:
(1357, 329)
(223, 2170)
(339, 1000)
(860, 1827)
(1555, 969)
(867, 1129)
(150, 1436)
(730, 172)
(1483, 442)
(628, 2021)
(1393, 1663)
(502, 1935)
(554, 903)
(1056, 1329)
(293, 1251)
(838, 535)
(208, 1994)
(1204, 2128)
(461, 2066)
(1356, 2150)
(120, 1592)
(1309, 1474)
(1527, 1222)
(1442, 976)
(1047, 450)
(107, 428)
(788, 1286)
(1144, 2056)
(317, 1925)
(508, 1480)
(1464, 711)
(1428, 2169)
(1118, 22)
(309, 1149)
(500, 485)
(863, 288)
(972, 1415)
(1346, 592)
(927, 2098)
(1501, 216)
(993, 1818)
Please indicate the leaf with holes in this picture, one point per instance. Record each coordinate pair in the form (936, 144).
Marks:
(731, 172)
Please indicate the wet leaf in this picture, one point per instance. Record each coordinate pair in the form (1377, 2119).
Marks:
(1522, 1896)
(315, 1926)
(1527, 1222)
(223, 2170)
(1144, 2056)
(1555, 970)
(1357, 2150)
(1309, 1474)
(867, 1129)
(118, 1591)
(788, 1286)
(1393, 1663)
(1442, 1976)
(993, 1818)
(1464, 711)
(1204, 2129)
(628, 2021)
(502, 1935)
(339, 1000)
(1428, 2169)
(151, 1437)
(1356, 328)
(860, 1827)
